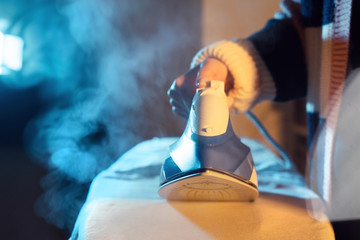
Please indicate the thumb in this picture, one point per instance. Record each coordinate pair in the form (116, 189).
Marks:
(211, 69)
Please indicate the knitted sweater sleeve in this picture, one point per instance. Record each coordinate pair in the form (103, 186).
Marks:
(280, 46)
(268, 65)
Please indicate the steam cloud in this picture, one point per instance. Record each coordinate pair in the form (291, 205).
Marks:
(104, 69)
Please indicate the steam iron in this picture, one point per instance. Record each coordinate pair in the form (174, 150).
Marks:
(209, 162)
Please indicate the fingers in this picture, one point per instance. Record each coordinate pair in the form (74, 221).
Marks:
(181, 113)
(187, 82)
(178, 105)
(182, 92)
(190, 76)
(174, 91)
(184, 87)
(178, 98)
(229, 82)
(177, 102)
(211, 69)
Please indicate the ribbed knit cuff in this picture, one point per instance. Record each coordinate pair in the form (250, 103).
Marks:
(252, 80)
(267, 85)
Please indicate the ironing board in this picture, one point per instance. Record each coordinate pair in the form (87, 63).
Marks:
(123, 204)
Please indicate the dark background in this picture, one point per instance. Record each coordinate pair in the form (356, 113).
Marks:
(93, 82)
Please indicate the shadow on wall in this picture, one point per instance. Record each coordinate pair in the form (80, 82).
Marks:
(103, 70)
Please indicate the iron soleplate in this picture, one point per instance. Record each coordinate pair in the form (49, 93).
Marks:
(208, 186)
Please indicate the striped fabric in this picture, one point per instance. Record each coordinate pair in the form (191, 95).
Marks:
(306, 50)
(315, 45)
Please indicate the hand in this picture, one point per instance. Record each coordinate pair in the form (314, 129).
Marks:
(182, 90)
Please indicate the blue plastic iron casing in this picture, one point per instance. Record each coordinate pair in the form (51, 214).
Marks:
(195, 153)
(209, 154)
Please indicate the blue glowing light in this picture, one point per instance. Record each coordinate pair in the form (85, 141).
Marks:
(11, 53)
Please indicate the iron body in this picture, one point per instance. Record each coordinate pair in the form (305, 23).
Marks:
(209, 162)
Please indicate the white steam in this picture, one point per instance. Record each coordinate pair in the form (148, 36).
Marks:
(105, 69)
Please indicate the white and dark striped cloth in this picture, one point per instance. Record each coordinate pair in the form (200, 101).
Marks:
(308, 50)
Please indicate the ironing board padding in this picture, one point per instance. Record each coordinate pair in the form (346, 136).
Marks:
(123, 204)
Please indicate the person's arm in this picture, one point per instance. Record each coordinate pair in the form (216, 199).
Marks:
(268, 65)
(281, 49)
(280, 45)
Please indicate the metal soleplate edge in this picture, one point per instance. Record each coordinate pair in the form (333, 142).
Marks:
(208, 186)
